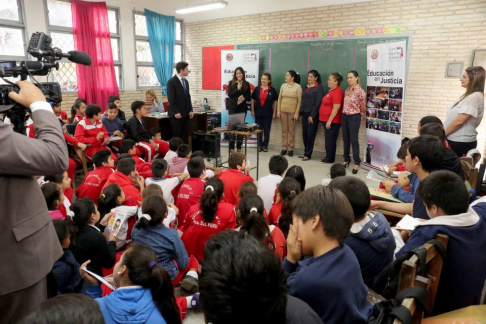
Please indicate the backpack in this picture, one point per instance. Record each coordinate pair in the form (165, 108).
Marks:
(387, 311)
(386, 283)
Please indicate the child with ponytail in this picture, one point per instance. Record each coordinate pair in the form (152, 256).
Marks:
(171, 254)
(54, 198)
(281, 212)
(209, 217)
(147, 295)
(87, 240)
(251, 221)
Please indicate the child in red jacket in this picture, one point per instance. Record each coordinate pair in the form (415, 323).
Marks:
(237, 174)
(281, 212)
(95, 180)
(125, 176)
(56, 108)
(91, 130)
(63, 180)
(192, 188)
(78, 110)
(144, 169)
(210, 216)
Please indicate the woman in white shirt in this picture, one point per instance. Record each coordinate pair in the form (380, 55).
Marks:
(466, 114)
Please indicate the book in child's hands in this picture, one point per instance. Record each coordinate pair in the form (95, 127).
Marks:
(409, 223)
(100, 279)
(117, 222)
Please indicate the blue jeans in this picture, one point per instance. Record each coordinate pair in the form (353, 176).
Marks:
(351, 124)
(331, 136)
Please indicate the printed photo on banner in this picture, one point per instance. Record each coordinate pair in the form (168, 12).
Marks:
(371, 113)
(395, 105)
(396, 93)
(381, 92)
(395, 128)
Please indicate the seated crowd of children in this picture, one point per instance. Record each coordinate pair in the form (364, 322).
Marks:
(153, 219)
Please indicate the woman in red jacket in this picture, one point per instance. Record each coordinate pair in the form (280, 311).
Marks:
(209, 217)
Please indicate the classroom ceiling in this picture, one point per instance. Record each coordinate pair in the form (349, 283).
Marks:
(237, 8)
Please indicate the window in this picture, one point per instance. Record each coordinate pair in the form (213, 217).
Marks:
(60, 24)
(144, 64)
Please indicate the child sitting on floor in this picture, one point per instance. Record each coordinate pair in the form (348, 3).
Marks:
(95, 180)
(144, 169)
(172, 211)
(281, 212)
(247, 188)
(159, 178)
(125, 176)
(63, 180)
(267, 185)
(180, 161)
(54, 198)
(192, 188)
(174, 143)
(237, 174)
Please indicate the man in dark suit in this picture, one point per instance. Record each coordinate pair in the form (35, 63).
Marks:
(27, 237)
(180, 106)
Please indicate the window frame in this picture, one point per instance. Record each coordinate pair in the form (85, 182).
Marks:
(17, 25)
(145, 38)
(68, 30)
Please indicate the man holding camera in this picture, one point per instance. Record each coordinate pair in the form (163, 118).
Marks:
(27, 238)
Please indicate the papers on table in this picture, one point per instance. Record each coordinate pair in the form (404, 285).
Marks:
(409, 223)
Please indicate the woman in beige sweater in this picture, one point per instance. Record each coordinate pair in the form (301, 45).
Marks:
(288, 108)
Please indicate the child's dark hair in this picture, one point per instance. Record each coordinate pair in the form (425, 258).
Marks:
(126, 166)
(445, 190)
(297, 173)
(183, 150)
(197, 154)
(156, 208)
(82, 208)
(127, 145)
(247, 188)
(108, 199)
(402, 151)
(152, 190)
(101, 157)
(433, 129)
(61, 229)
(236, 159)
(278, 164)
(294, 75)
(112, 105)
(66, 309)
(76, 105)
(337, 170)
(56, 178)
(92, 110)
(174, 143)
(51, 192)
(357, 193)
(159, 167)
(289, 188)
(316, 75)
(429, 120)
(213, 191)
(136, 105)
(112, 99)
(430, 151)
(331, 205)
(252, 220)
(123, 156)
(154, 131)
(144, 270)
(195, 167)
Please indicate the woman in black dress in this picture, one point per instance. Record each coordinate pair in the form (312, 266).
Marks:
(239, 93)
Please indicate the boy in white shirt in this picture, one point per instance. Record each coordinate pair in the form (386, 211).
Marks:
(267, 185)
(159, 170)
(174, 143)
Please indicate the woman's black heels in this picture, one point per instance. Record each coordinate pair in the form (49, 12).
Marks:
(355, 171)
(346, 164)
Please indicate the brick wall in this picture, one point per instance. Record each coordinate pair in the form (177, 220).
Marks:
(442, 31)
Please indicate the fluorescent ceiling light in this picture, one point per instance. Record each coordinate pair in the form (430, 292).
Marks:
(202, 7)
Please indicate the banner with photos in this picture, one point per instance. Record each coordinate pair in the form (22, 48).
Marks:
(386, 72)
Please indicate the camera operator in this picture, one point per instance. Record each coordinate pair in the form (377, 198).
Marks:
(27, 238)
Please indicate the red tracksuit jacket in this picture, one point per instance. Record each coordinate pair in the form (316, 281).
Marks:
(189, 195)
(86, 132)
(125, 183)
(93, 183)
(233, 179)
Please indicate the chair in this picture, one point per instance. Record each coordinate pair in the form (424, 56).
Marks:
(479, 181)
(408, 273)
(166, 106)
(413, 305)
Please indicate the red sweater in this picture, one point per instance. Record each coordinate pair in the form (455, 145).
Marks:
(232, 180)
(279, 240)
(197, 231)
(93, 183)
(125, 183)
(275, 213)
(144, 169)
(86, 132)
(189, 195)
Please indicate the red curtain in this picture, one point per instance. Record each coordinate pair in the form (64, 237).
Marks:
(92, 35)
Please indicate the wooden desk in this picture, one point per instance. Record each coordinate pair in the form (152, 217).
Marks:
(198, 123)
(246, 135)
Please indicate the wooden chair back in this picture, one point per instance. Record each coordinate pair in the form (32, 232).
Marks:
(408, 272)
(412, 305)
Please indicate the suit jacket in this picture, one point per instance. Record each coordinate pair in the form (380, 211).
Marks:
(179, 102)
(234, 94)
(311, 100)
(267, 109)
(27, 237)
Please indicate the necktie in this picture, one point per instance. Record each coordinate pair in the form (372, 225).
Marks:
(184, 85)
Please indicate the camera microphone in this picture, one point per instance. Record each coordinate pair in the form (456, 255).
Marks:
(77, 57)
(38, 65)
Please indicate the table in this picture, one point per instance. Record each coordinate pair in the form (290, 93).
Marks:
(233, 134)
(198, 123)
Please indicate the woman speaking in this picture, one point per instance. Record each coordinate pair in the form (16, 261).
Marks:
(354, 106)
(239, 93)
(288, 108)
(466, 114)
(262, 103)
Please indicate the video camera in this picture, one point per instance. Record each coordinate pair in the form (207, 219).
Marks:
(47, 57)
